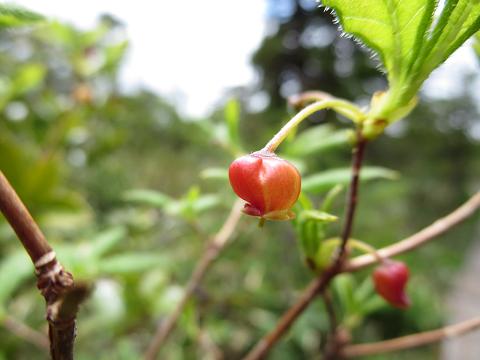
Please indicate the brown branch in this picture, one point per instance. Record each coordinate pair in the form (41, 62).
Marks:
(352, 197)
(410, 341)
(25, 332)
(55, 284)
(330, 309)
(430, 232)
(213, 249)
(314, 288)
(212, 351)
(317, 286)
(338, 336)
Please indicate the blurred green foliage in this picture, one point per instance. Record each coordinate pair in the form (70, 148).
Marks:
(128, 192)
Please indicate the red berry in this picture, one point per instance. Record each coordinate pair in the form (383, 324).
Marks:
(390, 279)
(269, 185)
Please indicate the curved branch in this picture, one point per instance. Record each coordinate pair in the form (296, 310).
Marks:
(411, 341)
(319, 284)
(212, 251)
(430, 232)
(302, 99)
(343, 107)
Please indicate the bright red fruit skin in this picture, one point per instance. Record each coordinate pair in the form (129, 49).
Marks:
(269, 185)
(390, 279)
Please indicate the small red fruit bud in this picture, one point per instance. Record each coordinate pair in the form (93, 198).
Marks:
(270, 185)
(390, 279)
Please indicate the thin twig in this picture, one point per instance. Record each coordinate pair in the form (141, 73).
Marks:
(439, 227)
(301, 100)
(212, 351)
(25, 332)
(343, 107)
(330, 309)
(314, 288)
(54, 283)
(213, 249)
(317, 286)
(332, 345)
(411, 341)
(352, 197)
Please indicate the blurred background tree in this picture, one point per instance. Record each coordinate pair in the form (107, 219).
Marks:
(81, 152)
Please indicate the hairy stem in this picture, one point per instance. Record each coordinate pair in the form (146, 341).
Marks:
(411, 341)
(341, 106)
(55, 284)
(212, 251)
(300, 100)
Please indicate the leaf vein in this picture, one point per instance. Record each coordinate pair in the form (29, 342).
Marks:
(361, 18)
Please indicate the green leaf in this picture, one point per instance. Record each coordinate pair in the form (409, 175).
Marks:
(344, 285)
(310, 225)
(394, 29)
(232, 118)
(147, 197)
(27, 78)
(409, 44)
(331, 196)
(476, 45)
(130, 263)
(13, 15)
(114, 55)
(205, 202)
(106, 240)
(318, 139)
(326, 252)
(373, 304)
(304, 202)
(318, 216)
(214, 174)
(459, 20)
(190, 207)
(14, 269)
(324, 181)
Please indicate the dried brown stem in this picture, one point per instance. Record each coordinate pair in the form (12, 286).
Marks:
(55, 284)
(25, 332)
(411, 341)
(213, 249)
(318, 285)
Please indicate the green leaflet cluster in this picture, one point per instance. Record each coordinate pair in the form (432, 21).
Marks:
(409, 41)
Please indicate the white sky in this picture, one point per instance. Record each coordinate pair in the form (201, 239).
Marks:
(189, 51)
